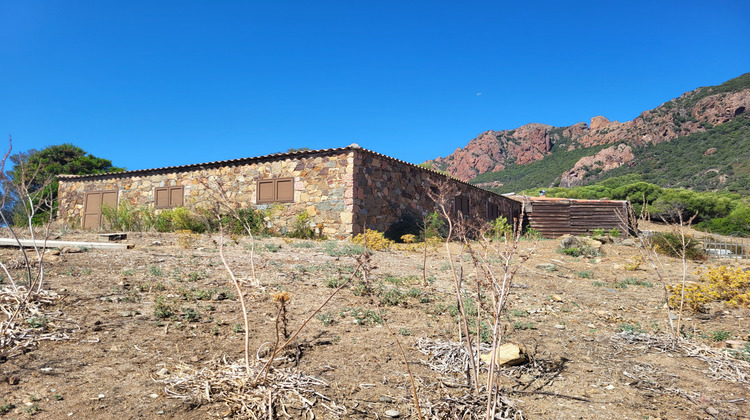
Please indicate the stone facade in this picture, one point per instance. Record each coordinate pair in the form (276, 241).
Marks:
(388, 190)
(341, 189)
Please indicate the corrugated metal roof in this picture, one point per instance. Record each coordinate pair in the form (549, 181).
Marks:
(561, 199)
(206, 164)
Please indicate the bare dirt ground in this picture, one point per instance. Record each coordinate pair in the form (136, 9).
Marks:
(139, 319)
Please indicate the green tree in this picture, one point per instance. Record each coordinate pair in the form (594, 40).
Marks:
(36, 171)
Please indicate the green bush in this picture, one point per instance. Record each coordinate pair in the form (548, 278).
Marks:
(179, 218)
(671, 245)
(302, 227)
(245, 219)
(736, 223)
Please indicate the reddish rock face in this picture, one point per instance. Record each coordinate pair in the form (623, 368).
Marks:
(598, 123)
(606, 160)
(494, 150)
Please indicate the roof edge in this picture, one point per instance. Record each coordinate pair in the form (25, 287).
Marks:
(240, 161)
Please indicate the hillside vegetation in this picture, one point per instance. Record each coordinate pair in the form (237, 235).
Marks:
(716, 159)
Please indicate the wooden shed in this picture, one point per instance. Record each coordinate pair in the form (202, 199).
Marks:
(554, 217)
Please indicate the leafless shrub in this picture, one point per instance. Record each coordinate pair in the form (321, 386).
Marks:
(492, 282)
(24, 300)
(650, 253)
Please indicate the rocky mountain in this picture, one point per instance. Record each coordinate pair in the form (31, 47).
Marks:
(601, 145)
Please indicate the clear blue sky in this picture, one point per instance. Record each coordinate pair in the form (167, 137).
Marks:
(158, 83)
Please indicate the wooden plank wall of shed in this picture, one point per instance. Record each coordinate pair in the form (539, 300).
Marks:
(587, 216)
(553, 219)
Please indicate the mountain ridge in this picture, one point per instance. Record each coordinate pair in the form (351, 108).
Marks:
(612, 143)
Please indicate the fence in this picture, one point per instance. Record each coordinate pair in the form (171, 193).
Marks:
(726, 246)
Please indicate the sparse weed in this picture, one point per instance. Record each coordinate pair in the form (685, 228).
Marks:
(519, 313)
(632, 281)
(155, 271)
(518, 325)
(162, 310)
(742, 353)
(634, 328)
(303, 244)
(272, 247)
(6, 407)
(585, 274)
(404, 332)
(392, 297)
(332, 249)
(362, 316)
(37, 322)
(333, 282)
(415, 292)
(720, 335)
(190, 314)
(326, 318)
(195, 276)
(32, 409)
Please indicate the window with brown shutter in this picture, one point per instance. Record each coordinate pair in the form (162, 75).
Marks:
(169, 197)
(280, 190)
(461, 205)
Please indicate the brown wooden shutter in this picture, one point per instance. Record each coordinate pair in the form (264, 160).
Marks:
(285, 190)
(280, 190)
(176, 196)
(168, 197)
(266, 191)
(161, 198)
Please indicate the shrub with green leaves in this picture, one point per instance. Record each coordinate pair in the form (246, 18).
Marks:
(245, 219)
(127, 217)
(671, 245)
(303, 228)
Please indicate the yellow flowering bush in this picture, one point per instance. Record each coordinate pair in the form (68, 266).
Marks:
(635, 264)
(432, 243)
(375, 240)
(722, 283)
(409, 238)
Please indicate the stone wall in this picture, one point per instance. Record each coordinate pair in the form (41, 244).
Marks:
(387, 190)
(322, 187)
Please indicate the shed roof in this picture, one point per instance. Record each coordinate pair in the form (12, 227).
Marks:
(562, 199)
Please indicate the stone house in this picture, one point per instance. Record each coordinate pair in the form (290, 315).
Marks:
(341, 189)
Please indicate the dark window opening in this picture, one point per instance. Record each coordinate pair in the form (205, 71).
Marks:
(461, 206)
(493, 211)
